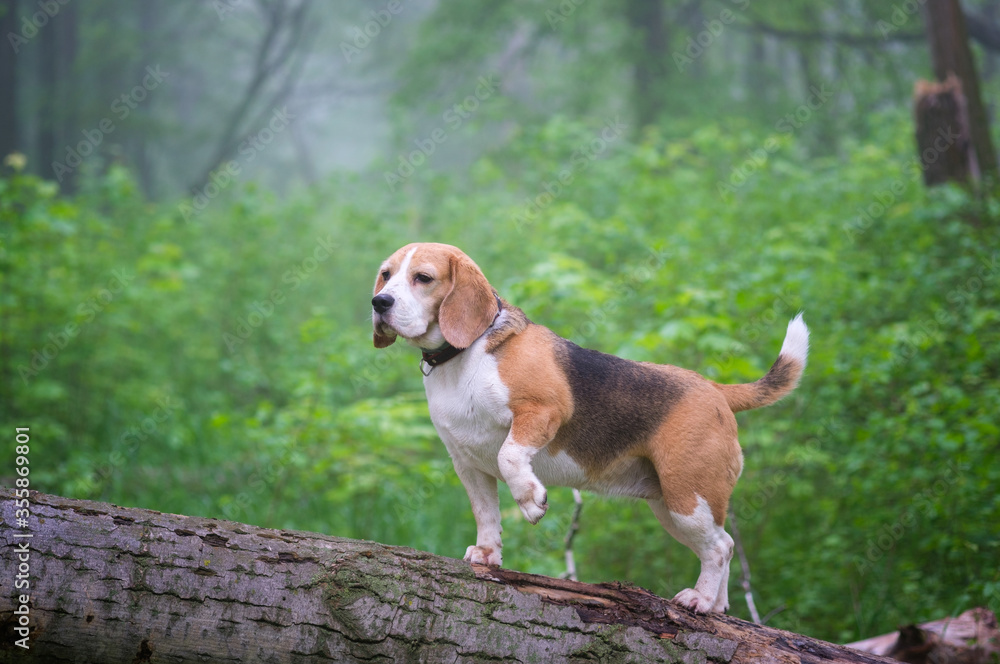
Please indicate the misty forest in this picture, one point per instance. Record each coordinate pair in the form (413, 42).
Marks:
(195, 196)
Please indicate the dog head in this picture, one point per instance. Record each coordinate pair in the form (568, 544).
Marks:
(429, 294)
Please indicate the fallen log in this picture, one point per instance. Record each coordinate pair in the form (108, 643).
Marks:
(970, 638)
(110, 584)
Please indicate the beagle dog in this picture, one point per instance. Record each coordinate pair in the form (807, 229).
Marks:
(513, 401)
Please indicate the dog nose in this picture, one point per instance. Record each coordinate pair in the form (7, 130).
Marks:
(383, 302)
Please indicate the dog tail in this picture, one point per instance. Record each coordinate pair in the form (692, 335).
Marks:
(781, 379)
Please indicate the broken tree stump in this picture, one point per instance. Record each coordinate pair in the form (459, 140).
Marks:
(942, 132)
(971, 638)
(111, 584)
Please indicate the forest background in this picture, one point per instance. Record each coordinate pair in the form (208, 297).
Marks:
(195, 196)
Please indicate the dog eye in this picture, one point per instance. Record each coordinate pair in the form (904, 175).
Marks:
(386, 274)
(424, 278)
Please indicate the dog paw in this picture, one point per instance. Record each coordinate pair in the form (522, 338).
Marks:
(694, 600)
(534, 503)
(483, 555)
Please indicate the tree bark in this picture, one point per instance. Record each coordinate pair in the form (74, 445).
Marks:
(111, 584)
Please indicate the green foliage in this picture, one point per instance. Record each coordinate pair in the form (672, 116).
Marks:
(222, 365)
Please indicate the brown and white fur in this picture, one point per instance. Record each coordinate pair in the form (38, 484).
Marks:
(523, 405)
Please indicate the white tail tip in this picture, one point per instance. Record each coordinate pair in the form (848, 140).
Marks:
(796, 344)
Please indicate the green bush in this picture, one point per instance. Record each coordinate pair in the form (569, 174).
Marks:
(221, 365)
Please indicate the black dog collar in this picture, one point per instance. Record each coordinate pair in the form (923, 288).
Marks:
(439, 356)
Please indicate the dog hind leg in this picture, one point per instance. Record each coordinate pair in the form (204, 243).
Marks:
(713, 546)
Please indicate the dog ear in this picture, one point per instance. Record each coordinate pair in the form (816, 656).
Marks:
(381, 340)
(469, 307)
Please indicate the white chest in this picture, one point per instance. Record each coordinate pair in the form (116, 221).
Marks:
(469, 406)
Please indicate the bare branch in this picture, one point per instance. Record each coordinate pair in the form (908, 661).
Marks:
(274, 56)
(847, 38)
(744, 568)
(574, 526)
(981, 30)
(772, 613)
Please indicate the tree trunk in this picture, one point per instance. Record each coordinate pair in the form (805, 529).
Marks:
(951, 54)
(66, 28)
(942, 132)
(111, 584)
(645, 17)
(10, 134)
(150, 18)
(58, 123)
(48, 125)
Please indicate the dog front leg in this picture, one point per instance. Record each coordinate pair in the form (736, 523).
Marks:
(515, 467)
(482, 490)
